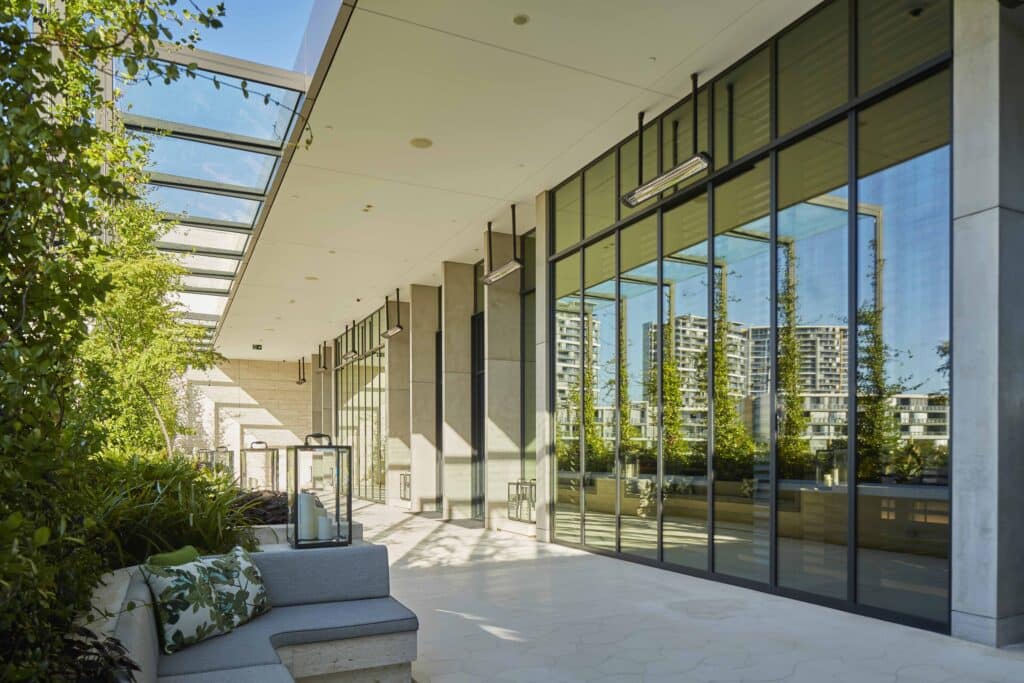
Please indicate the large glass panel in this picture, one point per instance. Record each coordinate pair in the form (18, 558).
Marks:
(903, 331)
(196, 102)
(204, 238)
(200, 205)
(529, 351)
(206, 304)
(202, 282)
(568, 352)
(894, 37)
(638, 389)
(599, 198)
(811, 364)
(212, 163)
(813, 66)
(677, 135)
(599, 423)
(629, 178)
(741, 109)
(210, 264)
(684, 382)
(741, 418)
(567, 214)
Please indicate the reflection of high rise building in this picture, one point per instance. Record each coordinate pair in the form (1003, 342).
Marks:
(569, 355)
(823, 366)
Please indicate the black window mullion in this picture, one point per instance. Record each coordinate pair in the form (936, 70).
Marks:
(710, 431)
(584, 340)
(618, 392)
(851, 364)
(773, 321)
(660, 359)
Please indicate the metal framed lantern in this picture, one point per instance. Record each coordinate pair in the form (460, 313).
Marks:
(259, 467)
(319, 493)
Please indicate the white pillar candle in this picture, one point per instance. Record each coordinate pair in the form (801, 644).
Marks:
(307, 517)
(324, 530)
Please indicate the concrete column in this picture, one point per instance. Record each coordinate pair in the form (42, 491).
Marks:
(457, 441)
(397, 396)
(988, 324)
(503, 389)
(545, 489)
(423, 325)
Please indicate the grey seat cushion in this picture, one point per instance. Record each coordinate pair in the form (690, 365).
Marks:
(254, 643)
(302, 577)
(136, 629)
(274, 673)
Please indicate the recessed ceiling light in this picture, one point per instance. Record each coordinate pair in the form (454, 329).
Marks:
(421, 143)
(521, 19)
(331, 251)
(291, 301)
(312, 277)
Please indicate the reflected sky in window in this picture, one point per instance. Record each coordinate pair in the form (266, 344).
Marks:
(212, 163)
(199, 205)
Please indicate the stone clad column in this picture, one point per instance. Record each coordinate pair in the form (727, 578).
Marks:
(457, 439)
(988, 324)
(544, 426)
(503, 388)
(398, 453)
(423, 325)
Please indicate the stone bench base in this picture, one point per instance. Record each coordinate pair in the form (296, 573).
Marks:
(382, 659)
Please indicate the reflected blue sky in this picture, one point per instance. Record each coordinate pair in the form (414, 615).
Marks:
(209, 162)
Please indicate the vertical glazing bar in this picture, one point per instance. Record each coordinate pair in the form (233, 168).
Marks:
(773, 335)
(618, 387)
(851, 325)
(585, 339)
(659, 360)
(729, 113)
(693, 107)
(710, 435)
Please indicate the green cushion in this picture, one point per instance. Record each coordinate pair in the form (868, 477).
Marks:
(205, 598)
(174, 558)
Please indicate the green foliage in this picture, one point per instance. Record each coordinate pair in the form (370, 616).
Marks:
(63, 173)
(148, 505)
(791, 443)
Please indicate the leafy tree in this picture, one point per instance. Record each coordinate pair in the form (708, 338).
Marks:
(139, 344)
(733, 444)
(791, 443)
(61, 173)
(598, 455)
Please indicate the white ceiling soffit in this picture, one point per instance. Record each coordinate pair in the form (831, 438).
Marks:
(511, 110)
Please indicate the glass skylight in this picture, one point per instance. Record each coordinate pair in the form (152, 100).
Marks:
(196, 102)
(200, 303)
(204, 238)
(210, 264)
(213, 163)
(206, 283)
(200, 205)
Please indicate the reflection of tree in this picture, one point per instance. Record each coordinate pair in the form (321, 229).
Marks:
(734, 447)
(791, 445)
(631, 441)
(878, 435)
(673, 441)
(598, 455)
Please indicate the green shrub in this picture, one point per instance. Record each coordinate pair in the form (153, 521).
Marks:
(153, 504)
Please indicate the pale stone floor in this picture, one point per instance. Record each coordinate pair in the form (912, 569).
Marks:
(500, 607)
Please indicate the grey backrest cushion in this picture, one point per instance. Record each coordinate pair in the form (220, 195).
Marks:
(300, 577)
(136, 629)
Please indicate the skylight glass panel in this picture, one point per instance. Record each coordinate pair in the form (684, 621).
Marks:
(210, 264)
(285, 35)
(204, 204)
(204, 238)
(204, 322)
(207, 304)
(202, 282)
(197, 102)
(211, 163)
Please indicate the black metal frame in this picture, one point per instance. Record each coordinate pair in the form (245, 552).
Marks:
(293, 526)
(525, 291)
(721, 173)
(274, 455)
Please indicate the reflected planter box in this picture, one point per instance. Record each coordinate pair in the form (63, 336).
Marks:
(260, 468)
(220, 459)
(319, 493)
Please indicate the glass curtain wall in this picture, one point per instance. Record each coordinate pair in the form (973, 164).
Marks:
(752, 371)
(361, 386)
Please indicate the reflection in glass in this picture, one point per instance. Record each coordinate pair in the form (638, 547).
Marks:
(210, 264)
(684, 379)
(200, 205)
(212, 163)
(894, 37)
(196, 102)
(813, 66)
(568, 352)
(677, 135)
(599, 198)
(902, 431)
(567, 214)
(204, 238)
(529, 252)
(741, 109)
(740, 386)
(811, 364)
(638, 389)
(598, 387)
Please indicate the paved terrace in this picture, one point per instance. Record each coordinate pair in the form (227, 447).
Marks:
(500, 607)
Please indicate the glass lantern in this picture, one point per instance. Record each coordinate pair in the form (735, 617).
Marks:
(259, 467)
(319, 493)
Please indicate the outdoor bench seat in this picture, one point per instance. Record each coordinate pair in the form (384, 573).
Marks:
(331, 614)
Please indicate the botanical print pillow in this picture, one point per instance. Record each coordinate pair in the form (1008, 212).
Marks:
(205, 598)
